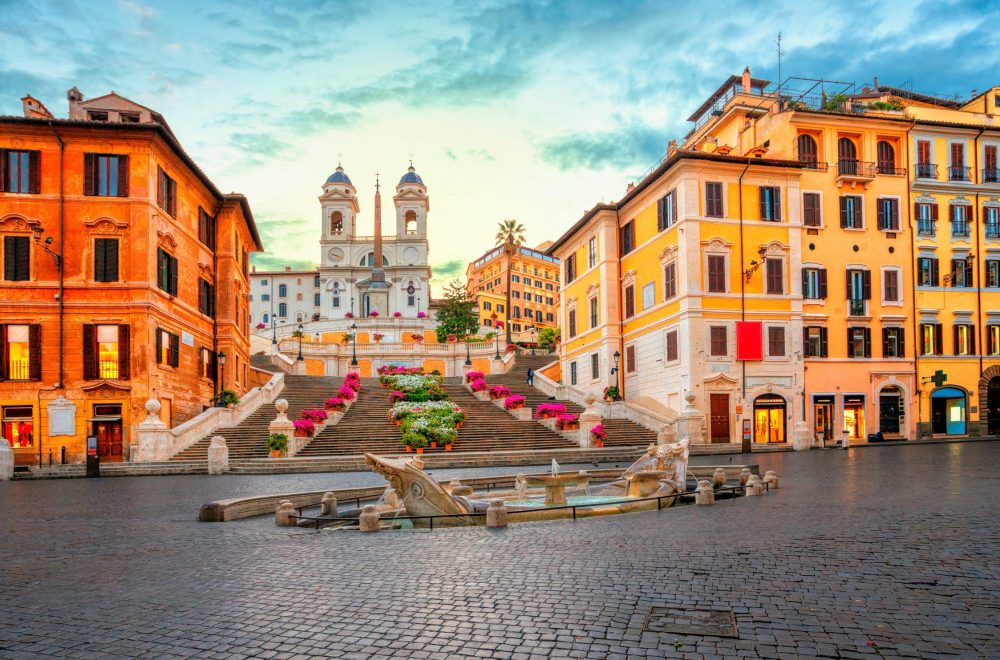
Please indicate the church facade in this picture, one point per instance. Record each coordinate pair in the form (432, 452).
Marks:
(359, 273)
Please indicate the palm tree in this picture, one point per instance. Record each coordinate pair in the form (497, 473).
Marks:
(510, 235)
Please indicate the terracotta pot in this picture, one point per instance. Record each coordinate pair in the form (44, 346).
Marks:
(447, 447)
(598, 443)
(275, 453)
(434, 444)
(420, 450)
(409, 449)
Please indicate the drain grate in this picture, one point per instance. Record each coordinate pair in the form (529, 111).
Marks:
(679, 621)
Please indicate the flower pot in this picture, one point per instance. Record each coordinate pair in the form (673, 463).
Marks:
(420, 450)
(447, 447)
(434, 444)
(598, 443)
(409, 449)
(275, 453)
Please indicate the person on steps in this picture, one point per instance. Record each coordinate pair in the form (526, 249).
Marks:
(531, 377)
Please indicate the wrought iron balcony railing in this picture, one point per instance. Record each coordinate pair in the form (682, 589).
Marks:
(959, 173)
(991, 175)
(849, 167)
(926, 227)
(926, 171)
(960, 229)
(857, 307)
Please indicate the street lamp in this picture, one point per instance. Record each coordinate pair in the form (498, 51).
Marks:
(274, 321)
(354, 343)
(614, 370)
(498, 327)
(222, 369)
(299, 359)
(468, 356)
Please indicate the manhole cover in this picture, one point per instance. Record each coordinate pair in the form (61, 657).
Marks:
(713, 623)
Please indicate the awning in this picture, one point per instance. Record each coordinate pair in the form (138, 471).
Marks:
(106, 418)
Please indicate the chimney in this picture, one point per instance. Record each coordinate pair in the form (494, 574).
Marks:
(876, 83)
(34, 108)
(253, 268)
(746, 80)
(75, 98)
(671, 148)
(288, 269)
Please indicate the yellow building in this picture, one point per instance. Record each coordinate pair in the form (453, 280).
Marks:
(534, 291)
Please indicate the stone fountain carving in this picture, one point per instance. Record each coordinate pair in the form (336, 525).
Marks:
(421, 495)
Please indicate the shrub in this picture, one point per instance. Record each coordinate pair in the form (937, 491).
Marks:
(499, 392)
(474, 375)
(598, 432)
(315, 415)
(513, 402)
(226, 398)
(478, 385)
(396, 396)
(334, 403)
(549, 410)
(304, 427)
(346, 392)
(277, 442)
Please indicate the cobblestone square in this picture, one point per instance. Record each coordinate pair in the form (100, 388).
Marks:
(888, 550)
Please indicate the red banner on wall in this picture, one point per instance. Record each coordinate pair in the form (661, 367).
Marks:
(749, 340)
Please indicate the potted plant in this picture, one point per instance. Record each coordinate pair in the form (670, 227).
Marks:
(377, 337)
(417, 338)
(397, 315)
(347, 338)
(611, 393)
(598, 435)
(550, 410)
(349, 315)
(478, 385)
(334, 403)
(346, 392)
(261, 326)
(304, 428)
(373, 314)
(421, 315)
(315, 415)
(511, 348)
(473, 375)
(452, 339)
(277, 443)
(226, 399)
(513, 402)
(499, 392)
(567, 422)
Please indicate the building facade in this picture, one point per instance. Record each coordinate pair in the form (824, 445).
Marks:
(534, 291)
(125, 278)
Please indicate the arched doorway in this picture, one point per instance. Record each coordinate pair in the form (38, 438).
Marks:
(948, 411)
(993, 405)
(769, 412)
(890, 410)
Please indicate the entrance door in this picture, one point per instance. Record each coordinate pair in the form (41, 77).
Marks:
(720, 417)
(948, 411)
(109, 440)
(889, 409)
(993, 406)
(769, 418)
(854, 416)
(823, 412)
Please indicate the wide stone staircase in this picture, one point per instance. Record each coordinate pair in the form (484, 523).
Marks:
(621, 432)
(363, 428)
(248, 439)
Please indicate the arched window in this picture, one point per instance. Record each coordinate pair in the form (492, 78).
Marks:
(369, 260)
(886, 158)
(266, 318)
(299, 317)
(410, 223)
(282, 310)
(282, 291)
(847, 154)
(336, 223)
(315, 317)
(807, 150)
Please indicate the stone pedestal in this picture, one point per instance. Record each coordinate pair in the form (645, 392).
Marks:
(704, 494)
(771, 479)
(154, 440)
(719, 478)
(754, 486)
(6, 460)
(482, 396)
(283, 514)
(496, 514)
(522, 414)
(589, 418)
(369, 520)
(281, 423)
(691, 422)
(667, 434)
(745, 475)
(218, 455)
(801, 436)
(328, 506)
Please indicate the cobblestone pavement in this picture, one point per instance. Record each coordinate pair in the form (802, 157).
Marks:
(890, 550)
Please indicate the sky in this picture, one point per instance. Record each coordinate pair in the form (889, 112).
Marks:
(533, 110)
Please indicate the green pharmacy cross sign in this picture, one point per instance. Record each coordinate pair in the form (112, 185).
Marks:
(939, 378)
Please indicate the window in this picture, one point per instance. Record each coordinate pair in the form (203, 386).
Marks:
(206, 228)
(666, 211)
(627, 237)
(500, 308)
(595, 366)
(591, 254)
(629, 301)
(571, 322)
(572, 373)
(847, 153)
(298, 296)
(993, 273)
(851, 215)
(265, 297)
(516, 279)
(925, 169)
(166, 272)
(630, 359)
(808, 153)
(548, 286)
(960, 214)
(770, 203)
(570, 268)
(991, 220)
(282, 310)
(206, 298)
(316, 301)
(716, 273)
(775, 268)
(927, 271)
(538, 298)
(282, 290)
(515, 294)
(266, 318)
(105, 175)
(814, 283)
(886, 155)
(811, 211)
(166, 192)
(776, 341)
(593, 313)
(991, 174)
(549, 301)
(105, 352)
(205, 363)
(487, 305)
(18, 426)
(888, 214)
(19, 171)
(859, 342)
(815, 341)
(549, 318)
(20, 346)
(930, 339)
(106, 259)
(718, 341)
(859, 291)
(892, 343)
(648, 295)
(167, 348)
(516, 312)
(961, 273)
(890, 285)
(672, 353)
(263, 282)
(16, 258)
(670, 280)
(957, 171)
(993, 339)
(927, 215)
(713, 199)
(965, 339)
(336, 223)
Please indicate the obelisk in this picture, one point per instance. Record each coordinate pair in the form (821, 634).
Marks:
(378, 291)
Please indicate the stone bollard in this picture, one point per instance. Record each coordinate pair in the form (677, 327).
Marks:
(754, 486)
(744, 475)
(218, 455)
(328, 505)
(6, 460)
(771, 479)
(704, 494)
(284, 513)
(496, 514)
(719, 477)
(369, 520)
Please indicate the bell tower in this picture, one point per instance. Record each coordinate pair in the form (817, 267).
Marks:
(412, 205)
(339, 211)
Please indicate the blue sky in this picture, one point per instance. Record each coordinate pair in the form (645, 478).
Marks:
(531, 110)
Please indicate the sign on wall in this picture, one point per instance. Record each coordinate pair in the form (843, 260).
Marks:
(187, 338)
(62, 417)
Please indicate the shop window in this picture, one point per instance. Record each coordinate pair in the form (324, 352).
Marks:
(948, 411)
(19, 426)
(769, 418)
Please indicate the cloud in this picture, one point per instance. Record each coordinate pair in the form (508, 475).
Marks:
(258, 144)
(268, 261)
(448, 270)
(629, 146)
(313, 120)
(449, 154)
(481, 154)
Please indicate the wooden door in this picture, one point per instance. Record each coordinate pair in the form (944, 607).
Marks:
(719, 412)
(109, 440)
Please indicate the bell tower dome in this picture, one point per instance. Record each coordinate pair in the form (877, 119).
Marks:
(412, 204)
(339, 211)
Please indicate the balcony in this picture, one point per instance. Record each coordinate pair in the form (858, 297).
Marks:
(926, 227)
(857, 307)
(890, 169)
(959, 173)
(855, 170)
(991, 175)
(992, 229)
(926, 171)
(811, 164)
(960, 229)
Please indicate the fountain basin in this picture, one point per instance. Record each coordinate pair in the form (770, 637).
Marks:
(555, 485)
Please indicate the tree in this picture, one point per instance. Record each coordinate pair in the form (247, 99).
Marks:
(456, 315)
(547, 338)
(510, 235)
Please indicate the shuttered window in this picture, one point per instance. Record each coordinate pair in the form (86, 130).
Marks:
(206, 228)
(672, 353)
(167, 348)
(629, 301)
(666, 211)
(106, 259)
(888, 214)
(106, 352)
(630, 359)
(719, 341)
(893, 343)
(811, 216)
(776, 341)
(851, 214)
(775, 276)
(814, 340)
(571, 322)
(19, 171)
(105, 175)
(628, 237)
(670, 280)
(166, 192)
(716, 273)
(859, 342)
(770, 203)
(20, 352)
(16, 258)
(206, 298)
(166, 272)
